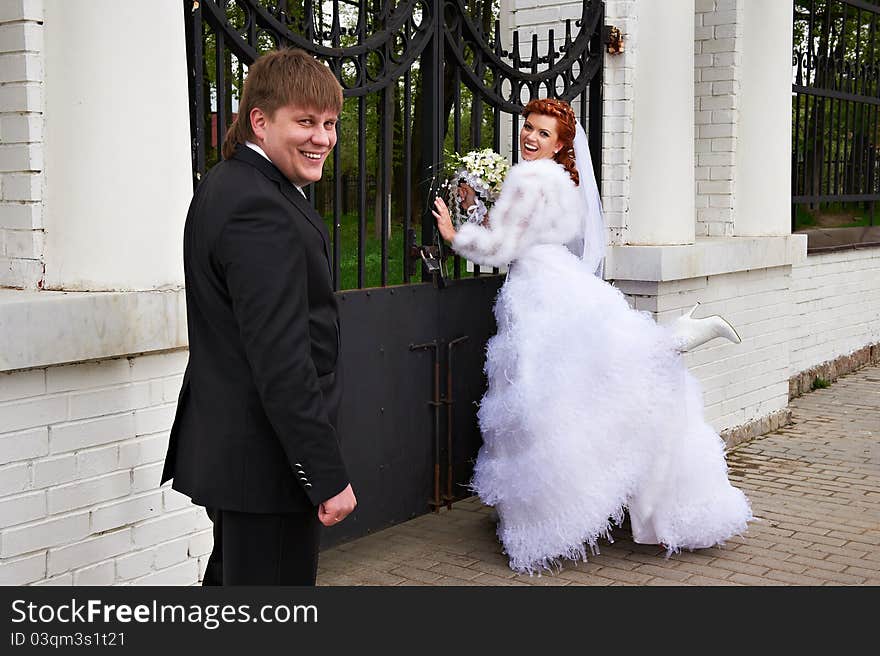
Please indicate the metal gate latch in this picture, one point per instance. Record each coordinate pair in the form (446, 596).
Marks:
(431, 258)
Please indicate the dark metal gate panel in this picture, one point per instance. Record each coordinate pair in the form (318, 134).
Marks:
(387, 421)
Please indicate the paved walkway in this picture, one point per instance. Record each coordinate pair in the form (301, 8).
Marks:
(815, 485)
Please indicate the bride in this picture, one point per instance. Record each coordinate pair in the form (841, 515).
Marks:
(589, 411)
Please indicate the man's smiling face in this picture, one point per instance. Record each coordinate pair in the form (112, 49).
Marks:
(296, 139)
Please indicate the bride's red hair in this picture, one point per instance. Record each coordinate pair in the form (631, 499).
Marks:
(565, 127)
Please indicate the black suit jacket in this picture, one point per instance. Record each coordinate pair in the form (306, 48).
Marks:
(253, 429)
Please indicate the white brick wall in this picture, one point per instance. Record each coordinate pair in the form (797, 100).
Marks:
(21, 144)
(534, 17)
(836, 306)
(81, 450)
(790, 319)
(741, 382)
(617, 120)
(717, 54)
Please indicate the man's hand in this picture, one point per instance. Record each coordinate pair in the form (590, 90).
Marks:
(335, 509)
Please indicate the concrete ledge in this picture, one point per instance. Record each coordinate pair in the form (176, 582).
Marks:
(833, 369)
(707, 256)
(755, 428)
(829, 240)
(44, 328)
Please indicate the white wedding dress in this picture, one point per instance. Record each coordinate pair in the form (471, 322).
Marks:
(589, 409)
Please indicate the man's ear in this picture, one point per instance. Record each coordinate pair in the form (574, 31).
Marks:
(258, 120)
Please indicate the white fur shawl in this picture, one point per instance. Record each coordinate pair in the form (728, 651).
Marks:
(539, 204)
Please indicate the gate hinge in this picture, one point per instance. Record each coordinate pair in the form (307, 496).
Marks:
(613, 39)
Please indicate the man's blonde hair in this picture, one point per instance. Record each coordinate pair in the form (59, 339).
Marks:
(282, 77)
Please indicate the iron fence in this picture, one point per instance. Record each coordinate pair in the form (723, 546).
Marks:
(420, 77)
(835, 139)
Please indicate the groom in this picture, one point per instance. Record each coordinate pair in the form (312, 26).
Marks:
(254, 439)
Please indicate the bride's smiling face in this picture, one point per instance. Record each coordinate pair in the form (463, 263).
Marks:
(539, 137)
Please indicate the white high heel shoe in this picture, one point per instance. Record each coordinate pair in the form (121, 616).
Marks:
(690, 333)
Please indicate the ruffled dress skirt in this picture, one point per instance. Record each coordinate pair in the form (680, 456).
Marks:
(589, 412)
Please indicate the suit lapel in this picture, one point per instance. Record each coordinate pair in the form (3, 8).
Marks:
(306, 209)
(290, 192)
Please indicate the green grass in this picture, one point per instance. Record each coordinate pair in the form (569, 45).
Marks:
(835, 215)
(820, 383)
(348, 258)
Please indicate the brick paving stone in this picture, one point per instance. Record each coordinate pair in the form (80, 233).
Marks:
(488, 579)
(424, 562)
(787, 521)
(375, 577)
(449, 580)
(584, 578)
(455, 559)
(815, 484)
(748, 579)
(495, 568)
(448, 569)
(411, 583)
(852, 525)
(705, 570)
(866, 573)
(812, 530)
(798, 549)
(781, 565)
(696, 579)
(662, 572)
(649, 560)
(624, 575)
(547, 580)
(820, 539)
(853, 549)
(751, 541)
(795, 579)
(737, 555)
(416, 574)
(741, 568)
(836, 578)
(816, 563)
(855, 562)
(866, 537)
(605, 560)
(666, 583)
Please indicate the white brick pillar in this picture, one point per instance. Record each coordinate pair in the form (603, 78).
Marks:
(763, 153)
(717, 71)
(117, 163)
(21, 143)
(617, 120)
(661, 209)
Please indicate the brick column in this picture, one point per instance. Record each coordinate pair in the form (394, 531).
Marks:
(21, 143)
(717, 58)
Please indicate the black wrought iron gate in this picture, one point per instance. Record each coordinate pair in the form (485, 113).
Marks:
(835, 111)
(418, 76)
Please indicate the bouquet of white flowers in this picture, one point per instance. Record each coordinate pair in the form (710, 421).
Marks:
(484, 171)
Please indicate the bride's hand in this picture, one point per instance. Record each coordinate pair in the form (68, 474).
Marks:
(444, 221)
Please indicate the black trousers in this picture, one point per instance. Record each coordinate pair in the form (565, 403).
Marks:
(263, 549)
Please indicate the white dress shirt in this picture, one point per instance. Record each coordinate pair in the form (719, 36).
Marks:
(253, 146)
